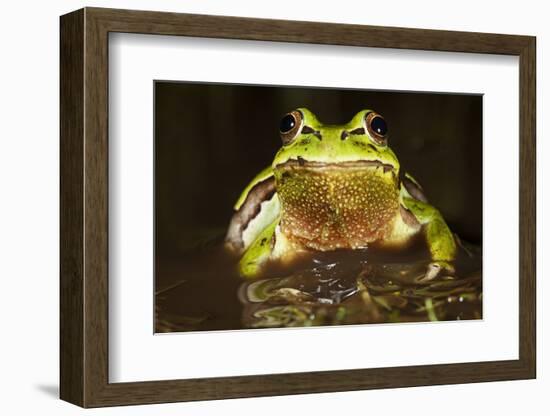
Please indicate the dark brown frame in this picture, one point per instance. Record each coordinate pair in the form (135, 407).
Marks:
(84, 214)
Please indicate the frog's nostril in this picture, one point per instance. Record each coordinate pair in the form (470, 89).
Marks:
(344, 135)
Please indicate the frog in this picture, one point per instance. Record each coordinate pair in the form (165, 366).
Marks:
(332, 187)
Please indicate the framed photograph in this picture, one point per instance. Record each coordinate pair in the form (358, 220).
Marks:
(255, 207)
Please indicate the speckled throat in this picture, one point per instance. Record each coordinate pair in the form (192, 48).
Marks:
(327, 206)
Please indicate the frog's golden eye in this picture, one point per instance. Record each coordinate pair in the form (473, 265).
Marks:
(290, 127)
(377, 127)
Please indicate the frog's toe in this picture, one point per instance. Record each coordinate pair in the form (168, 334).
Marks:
(436, 269)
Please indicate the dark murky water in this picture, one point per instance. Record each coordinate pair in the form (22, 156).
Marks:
(201, 291)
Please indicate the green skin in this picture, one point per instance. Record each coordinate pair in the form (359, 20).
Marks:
(283, 227)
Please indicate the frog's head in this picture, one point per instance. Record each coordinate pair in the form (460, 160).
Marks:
(337, 184)
(308, 143)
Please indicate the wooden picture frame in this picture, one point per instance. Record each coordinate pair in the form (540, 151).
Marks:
(84, 207)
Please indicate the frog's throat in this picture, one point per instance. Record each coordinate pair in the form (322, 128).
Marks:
(301, 163)
(326, 206)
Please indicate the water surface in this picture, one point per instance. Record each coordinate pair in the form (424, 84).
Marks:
(202, 291)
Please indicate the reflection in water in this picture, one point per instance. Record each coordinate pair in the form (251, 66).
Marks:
(203, 291)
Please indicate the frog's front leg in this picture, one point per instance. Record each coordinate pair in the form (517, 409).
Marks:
(251, 232)
(439, 237)
(258, 251)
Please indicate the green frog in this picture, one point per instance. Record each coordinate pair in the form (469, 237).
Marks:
(333, 187)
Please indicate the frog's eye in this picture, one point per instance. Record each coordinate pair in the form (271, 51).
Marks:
(290, 127)
(377, 127)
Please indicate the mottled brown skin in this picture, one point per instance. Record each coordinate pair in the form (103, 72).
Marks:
(334, 207)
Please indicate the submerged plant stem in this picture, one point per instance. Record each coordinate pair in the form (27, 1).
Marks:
(430, 309)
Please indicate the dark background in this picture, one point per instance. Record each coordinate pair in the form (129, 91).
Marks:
(212, 139)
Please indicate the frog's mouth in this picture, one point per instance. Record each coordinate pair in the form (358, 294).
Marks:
(301, 163)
